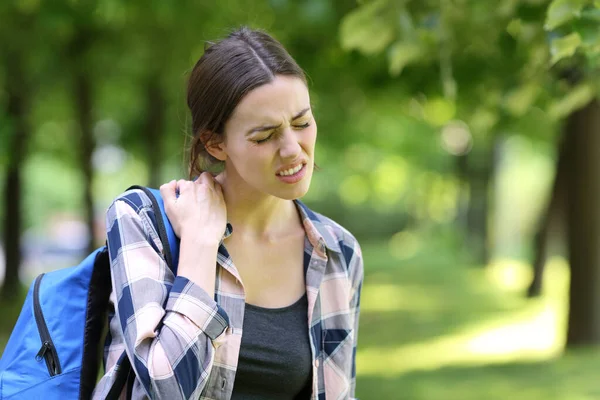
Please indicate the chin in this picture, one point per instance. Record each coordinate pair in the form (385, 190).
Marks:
(294, 191)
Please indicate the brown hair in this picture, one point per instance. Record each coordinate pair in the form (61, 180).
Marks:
(225, 73)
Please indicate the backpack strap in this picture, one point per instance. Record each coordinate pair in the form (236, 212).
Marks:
(170, 244)
(167, 236)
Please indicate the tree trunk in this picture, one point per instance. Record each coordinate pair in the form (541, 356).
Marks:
(540, 242)
(553, 212)
(462, 172)
(17, 110)
(477, 214)
(155, 116)
(82, 97)
(479, 173)
(583, 225)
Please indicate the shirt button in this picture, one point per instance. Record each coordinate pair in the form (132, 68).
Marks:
(317, 363)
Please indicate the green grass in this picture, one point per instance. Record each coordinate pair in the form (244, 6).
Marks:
(573, 377)
(432, 328)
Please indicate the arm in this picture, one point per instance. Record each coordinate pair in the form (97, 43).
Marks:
(171, 325)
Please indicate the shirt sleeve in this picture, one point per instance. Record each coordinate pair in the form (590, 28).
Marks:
(170, 325)
(356, 269)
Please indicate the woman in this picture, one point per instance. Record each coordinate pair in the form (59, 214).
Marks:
(278, 316)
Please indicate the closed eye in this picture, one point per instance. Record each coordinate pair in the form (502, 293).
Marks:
(303, 126)
(259, 141)
(262, 140)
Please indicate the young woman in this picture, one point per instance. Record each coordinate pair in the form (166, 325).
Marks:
(265, 302)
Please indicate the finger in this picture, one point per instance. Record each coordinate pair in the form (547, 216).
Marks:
(220, 178)
(167, 191)
(182, 186)
(207, 179)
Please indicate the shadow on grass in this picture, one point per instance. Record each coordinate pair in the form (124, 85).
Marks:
(571, 377)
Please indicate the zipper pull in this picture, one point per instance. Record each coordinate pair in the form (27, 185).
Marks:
(45, 347)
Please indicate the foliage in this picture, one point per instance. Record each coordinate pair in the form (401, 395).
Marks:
(575, 29)
(488, 61)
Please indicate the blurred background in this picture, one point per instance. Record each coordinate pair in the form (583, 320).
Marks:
(459, 140)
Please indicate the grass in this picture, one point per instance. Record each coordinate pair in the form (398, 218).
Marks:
(432, 328)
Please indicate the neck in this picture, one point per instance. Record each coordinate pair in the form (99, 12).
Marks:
(256, 214)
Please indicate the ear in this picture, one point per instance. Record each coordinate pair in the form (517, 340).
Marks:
(214, 145)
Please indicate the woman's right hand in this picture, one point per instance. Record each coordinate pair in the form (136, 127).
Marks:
(199, 213)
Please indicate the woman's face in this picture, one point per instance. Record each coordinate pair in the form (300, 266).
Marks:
(270, 139)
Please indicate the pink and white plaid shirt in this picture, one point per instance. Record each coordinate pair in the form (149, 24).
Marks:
(183, 344)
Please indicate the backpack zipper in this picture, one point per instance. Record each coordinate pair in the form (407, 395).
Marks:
(47, 351)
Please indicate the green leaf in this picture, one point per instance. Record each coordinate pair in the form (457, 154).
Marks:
(520, 100)
(589, 30)
(482, 120)
(368, 29)
(594, 60)
(439, 111)
(591, 14)
(514, 27)
(28, 6)
(564, 47)
(562, 11)
(578, 97)
(590, 35)
(403, 53)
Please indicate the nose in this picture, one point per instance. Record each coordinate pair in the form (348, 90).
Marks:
(289, 147)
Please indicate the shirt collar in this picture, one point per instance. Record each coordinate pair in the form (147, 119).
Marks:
(319, 234)
(228, 232)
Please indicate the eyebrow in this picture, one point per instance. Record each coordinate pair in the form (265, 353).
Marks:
(270, 127)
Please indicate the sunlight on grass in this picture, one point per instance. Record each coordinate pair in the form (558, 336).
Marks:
(388, 297)
(533, 332)
(535, 335)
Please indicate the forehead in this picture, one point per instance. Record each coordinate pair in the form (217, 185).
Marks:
(283, 97)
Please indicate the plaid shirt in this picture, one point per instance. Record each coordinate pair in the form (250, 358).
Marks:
(185, 345)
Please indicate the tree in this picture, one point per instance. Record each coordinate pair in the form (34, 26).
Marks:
(82, 92)
(583, 221)
(483, 61)
(576, 51)
(16, 67)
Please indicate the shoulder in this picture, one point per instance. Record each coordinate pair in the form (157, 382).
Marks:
(132, 205)
(137, 199)
(337, 237)
(342, 235)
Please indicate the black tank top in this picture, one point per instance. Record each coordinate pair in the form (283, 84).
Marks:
(275, 359)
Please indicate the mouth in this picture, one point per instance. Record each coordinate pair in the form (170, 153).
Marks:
(292, 175)
(292, 171)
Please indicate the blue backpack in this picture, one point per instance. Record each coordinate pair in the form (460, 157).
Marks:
(55, 347)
